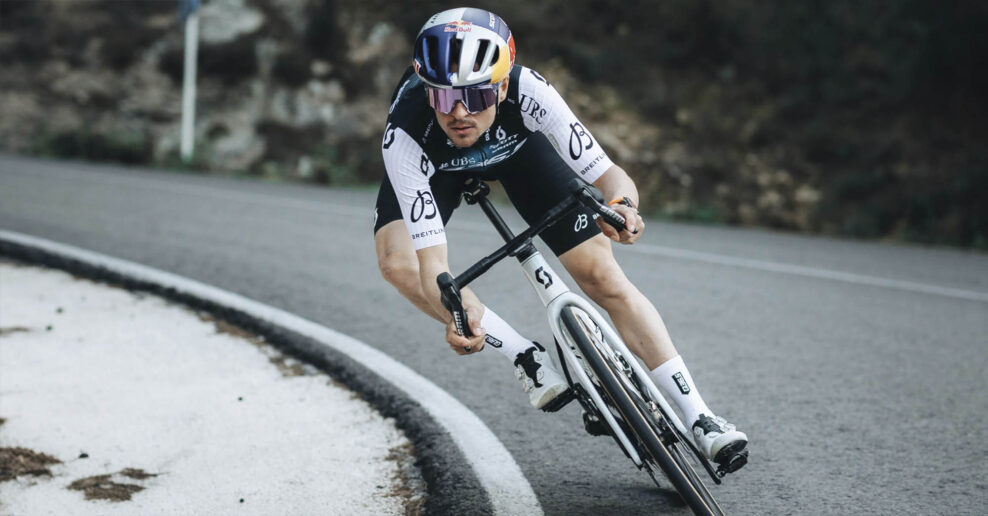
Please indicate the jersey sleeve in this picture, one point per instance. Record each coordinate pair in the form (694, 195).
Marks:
(544, 110)
(409, 169)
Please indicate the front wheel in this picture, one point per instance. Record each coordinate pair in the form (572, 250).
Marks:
(619, 390)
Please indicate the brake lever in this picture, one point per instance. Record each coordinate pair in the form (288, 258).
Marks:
(452, 300)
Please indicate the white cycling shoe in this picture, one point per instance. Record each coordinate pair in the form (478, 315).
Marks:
(721, 442)
(534, 370)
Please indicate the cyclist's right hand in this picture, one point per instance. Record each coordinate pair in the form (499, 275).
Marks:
(634, 221)
(467, 345)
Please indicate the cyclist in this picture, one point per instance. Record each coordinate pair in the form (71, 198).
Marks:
(463, 111)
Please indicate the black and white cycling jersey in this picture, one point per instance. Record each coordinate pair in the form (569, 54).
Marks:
(415, 148)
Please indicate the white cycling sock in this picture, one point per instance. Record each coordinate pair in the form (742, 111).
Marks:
(675, 380)
(502, 337)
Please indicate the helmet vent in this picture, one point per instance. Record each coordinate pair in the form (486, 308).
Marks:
(481, 54)
(431, 44)
(455, 49)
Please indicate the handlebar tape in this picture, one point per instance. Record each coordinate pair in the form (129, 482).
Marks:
(612, 217)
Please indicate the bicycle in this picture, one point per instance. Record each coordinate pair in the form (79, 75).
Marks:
(604, 377)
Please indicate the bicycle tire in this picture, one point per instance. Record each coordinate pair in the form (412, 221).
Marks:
(669, 459)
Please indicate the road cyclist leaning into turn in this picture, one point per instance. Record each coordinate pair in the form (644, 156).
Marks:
(464, 111)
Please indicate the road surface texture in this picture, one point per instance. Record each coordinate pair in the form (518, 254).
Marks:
(858, 370)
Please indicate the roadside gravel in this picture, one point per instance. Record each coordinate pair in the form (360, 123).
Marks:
(114, 402)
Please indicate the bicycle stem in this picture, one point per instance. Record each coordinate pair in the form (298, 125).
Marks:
(519, 246)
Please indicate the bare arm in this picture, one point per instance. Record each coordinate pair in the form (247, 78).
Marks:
(615, 184)
(433, 261)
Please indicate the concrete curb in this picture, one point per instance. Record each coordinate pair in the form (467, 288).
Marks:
(476, 476)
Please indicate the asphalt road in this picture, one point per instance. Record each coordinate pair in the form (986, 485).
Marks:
(858, 370)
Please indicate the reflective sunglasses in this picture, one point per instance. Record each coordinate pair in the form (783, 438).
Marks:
(475, 99)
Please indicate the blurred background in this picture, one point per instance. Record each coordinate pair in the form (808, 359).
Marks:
(859, 119)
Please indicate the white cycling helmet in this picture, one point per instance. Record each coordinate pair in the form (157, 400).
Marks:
(464, 47)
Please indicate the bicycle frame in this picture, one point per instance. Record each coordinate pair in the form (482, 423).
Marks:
(556, 297)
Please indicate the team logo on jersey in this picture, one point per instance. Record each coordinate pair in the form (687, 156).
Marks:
(424, 165)
(460, 163)
(389, 136)
(428, 129)
(423, 207)
(532, 108)
(581, 223)
(500, 133)
(576, 135)
(538, 77)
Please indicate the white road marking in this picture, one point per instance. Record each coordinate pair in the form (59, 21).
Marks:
(779, 268)
(499, 474)
(648, 249)
(809, 272)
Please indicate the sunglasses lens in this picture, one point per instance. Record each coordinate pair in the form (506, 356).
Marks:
(478, 100)
(474, 99)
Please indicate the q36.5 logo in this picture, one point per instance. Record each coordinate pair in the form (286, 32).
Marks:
(423, 207)
(389, 136)
(424, 165)
(576, 135)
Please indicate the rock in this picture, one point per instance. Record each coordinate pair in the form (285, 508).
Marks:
(85, 86)
(149, 92)
(764, 179)
(19, 120)
(381, 42)
(806, 194)
(222, 21)
(320, 68)
(747, 214)
(770, 200)
(782, 178)
(295, 12)
(317, 103)
(241, 147)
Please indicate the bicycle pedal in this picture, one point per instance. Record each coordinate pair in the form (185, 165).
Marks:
(595, 426)
(560, 401)
(732, 463)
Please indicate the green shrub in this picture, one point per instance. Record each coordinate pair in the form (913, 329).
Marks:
(119, 146)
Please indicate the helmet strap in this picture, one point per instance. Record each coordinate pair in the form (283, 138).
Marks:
(497, 102)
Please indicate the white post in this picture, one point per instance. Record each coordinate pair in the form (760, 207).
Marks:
(189, 85)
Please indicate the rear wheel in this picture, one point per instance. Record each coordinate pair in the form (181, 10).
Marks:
(656, 442)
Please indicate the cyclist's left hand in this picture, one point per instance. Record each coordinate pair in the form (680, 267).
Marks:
(633, 222)
(467, 345)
